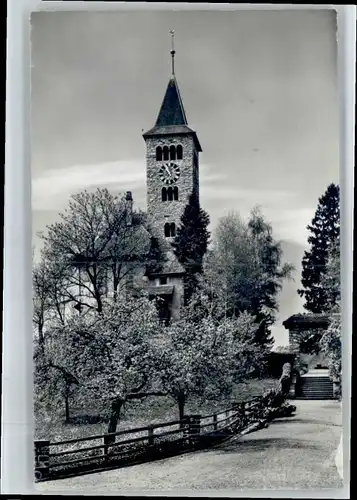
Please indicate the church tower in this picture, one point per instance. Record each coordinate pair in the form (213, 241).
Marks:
(172, 162)
(172, 175)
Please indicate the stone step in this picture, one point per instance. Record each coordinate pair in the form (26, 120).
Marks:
(316, 380)
(313, 388)
(317, 385)
(309, 388)
(317, 389)
(317, 398)
(304, 393)
(324, 388)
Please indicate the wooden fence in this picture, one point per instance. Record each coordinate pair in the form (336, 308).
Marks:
(75, 456)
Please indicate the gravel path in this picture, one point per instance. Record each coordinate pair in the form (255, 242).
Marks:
(294, 453)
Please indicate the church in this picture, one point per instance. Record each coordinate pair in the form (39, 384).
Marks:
(172, 173)
(172, 179)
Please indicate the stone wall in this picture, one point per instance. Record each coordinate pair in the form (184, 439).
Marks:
(160, 212)
(294, 346)
(177, 298)
(298, 325)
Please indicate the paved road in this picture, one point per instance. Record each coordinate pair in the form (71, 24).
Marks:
(294, 453)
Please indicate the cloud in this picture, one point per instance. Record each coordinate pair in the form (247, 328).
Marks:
(53, 188)
(282, 208)
(291, 223)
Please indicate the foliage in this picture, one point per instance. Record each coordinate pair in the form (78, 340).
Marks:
(49, 279)
(285, 379)
(331, 346)
(243, 272)
(324, 235)
(155, 257)
(331, 280)
(110, 355)
(205, 358)
(330, 342)
(191, 242)
(310, 341)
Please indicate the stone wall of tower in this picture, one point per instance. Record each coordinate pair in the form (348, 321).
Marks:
(160, 212)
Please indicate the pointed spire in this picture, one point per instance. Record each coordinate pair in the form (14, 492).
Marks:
(172, 111)
(172, 32)
(172, 117)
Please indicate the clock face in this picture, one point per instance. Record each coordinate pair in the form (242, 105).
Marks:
(169, 172)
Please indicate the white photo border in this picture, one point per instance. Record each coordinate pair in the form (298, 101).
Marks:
(17, 376)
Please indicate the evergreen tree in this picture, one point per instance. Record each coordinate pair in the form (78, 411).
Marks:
(331, 280)
(324, 233)
(191, 242)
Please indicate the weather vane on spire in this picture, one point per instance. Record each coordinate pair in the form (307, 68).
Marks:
(172, 33)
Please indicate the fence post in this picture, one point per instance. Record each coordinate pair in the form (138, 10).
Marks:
(244, 413)
(186, 426)
(151, 435)
(42, 459)
(292, 388)
(215, 427)
(107, 440)
(194, 428)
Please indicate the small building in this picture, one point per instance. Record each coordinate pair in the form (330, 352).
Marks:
(311, 378)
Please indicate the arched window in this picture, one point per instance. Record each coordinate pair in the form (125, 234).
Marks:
(164, 194)
(172, 153)
(169, 194)
(158, 153)
(166, 152)
(167, 230)
(170, 230)
(175, 193)
(179, 152)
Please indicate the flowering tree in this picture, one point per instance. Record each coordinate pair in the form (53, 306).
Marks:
(110, 357)
(331, 345)
(204, 358)
(330, 342)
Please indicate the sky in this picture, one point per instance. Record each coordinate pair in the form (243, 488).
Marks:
(259, 88)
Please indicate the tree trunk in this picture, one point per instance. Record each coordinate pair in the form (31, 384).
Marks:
(115, 415)
(41, 339)
(99, 302)
(66, 403)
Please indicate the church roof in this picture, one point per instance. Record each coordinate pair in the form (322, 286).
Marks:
(172, 117)
(172, 111)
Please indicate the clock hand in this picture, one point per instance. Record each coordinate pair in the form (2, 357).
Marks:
(167, 170)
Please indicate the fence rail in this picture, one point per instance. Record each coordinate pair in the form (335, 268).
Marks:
(189, 432)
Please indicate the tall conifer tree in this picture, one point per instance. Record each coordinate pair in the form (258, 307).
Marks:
(324, 235)
(191, 243)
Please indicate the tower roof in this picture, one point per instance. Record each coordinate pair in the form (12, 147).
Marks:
(172, 111)
(172, 119)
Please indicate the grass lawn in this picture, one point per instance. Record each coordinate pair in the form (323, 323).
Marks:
(151, 410)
